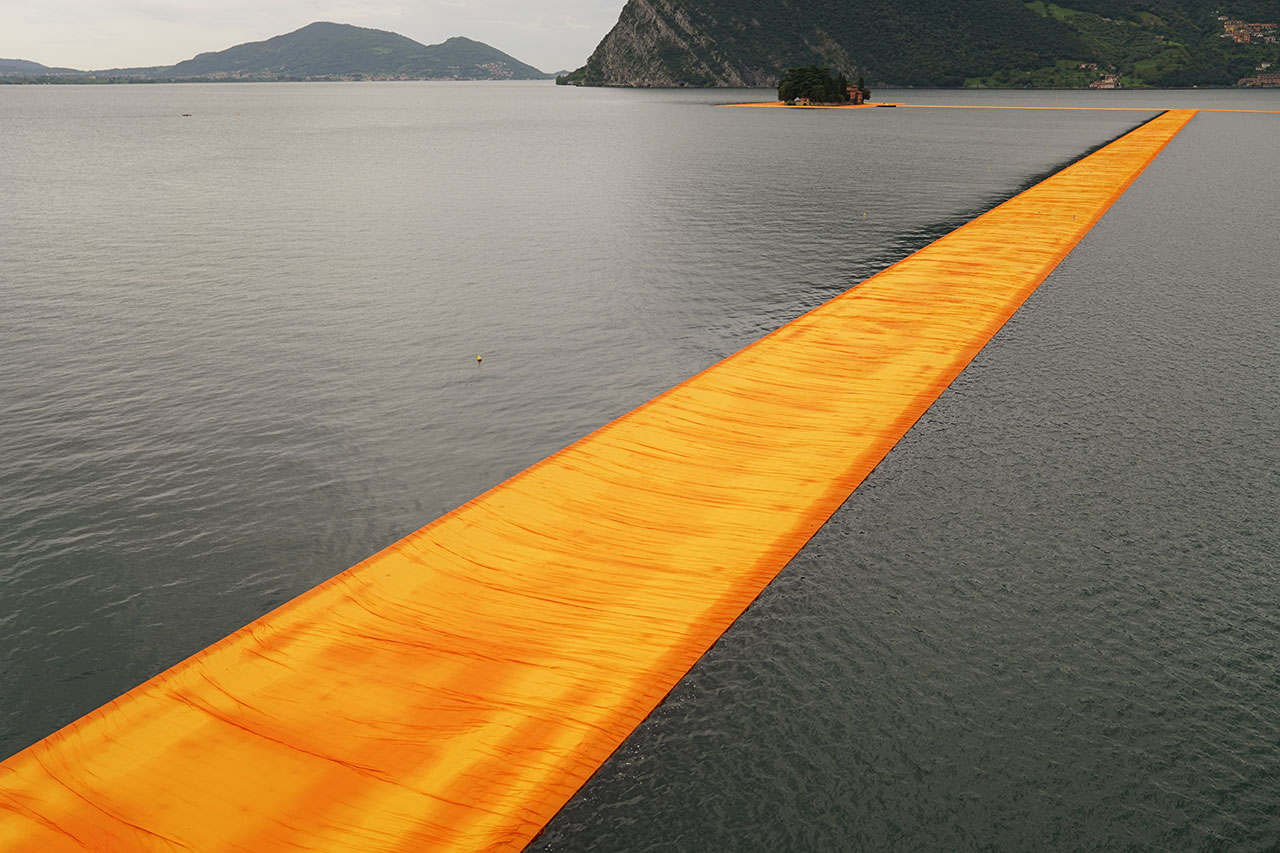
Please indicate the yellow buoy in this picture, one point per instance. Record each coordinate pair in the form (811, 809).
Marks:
(479, 358)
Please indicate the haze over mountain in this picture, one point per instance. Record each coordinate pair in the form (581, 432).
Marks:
(325, 50)
(929, 42)
(23, 66)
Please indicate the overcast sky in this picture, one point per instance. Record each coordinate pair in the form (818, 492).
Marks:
(96, 34)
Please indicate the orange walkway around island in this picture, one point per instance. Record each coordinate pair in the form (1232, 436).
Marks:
(882, 104)
(452, 691)
(783, 105)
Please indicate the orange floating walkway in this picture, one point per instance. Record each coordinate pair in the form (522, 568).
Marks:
(452, 691)
(1088, 108)
(782, 105)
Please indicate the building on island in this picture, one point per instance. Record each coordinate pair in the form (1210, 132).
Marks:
(855, 95)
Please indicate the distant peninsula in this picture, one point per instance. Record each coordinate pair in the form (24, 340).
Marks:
(940, 43)
(319, 51)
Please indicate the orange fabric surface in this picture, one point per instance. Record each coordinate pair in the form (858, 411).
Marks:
(1104, 109)
(784, 105)
(781, 105)
(452, 691)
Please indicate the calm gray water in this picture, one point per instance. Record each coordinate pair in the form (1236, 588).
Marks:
(238, 355)
(1050, 619)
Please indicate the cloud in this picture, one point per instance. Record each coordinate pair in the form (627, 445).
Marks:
(95, 34)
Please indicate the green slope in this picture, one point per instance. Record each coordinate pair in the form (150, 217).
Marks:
(1163, 42)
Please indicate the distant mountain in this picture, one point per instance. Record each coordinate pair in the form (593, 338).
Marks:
(34, 69)
(479, 60)
(322, 51)
(341, 50)
(930, 42)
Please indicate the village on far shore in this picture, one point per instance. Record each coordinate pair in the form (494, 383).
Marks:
(815, 85)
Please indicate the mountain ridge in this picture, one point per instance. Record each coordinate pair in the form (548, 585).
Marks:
(928, 42)
(26, 66)
(325, 50)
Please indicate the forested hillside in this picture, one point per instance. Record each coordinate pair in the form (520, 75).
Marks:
(926, 42)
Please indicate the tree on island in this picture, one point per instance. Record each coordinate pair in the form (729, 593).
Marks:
(815, 82)
(818, 84)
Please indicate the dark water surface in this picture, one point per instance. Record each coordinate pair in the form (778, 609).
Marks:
(1051, 617)
(237, 355)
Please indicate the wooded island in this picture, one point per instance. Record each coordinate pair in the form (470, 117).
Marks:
(816, 85)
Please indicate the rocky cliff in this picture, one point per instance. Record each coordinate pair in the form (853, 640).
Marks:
(677, 43)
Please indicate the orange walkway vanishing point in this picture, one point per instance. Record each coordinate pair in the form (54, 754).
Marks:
(1092, 109)
(453, 691)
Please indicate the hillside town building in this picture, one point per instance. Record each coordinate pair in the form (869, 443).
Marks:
(1242, 32)
(1260, 80)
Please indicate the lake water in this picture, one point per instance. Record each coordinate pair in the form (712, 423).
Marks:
(238, 354)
